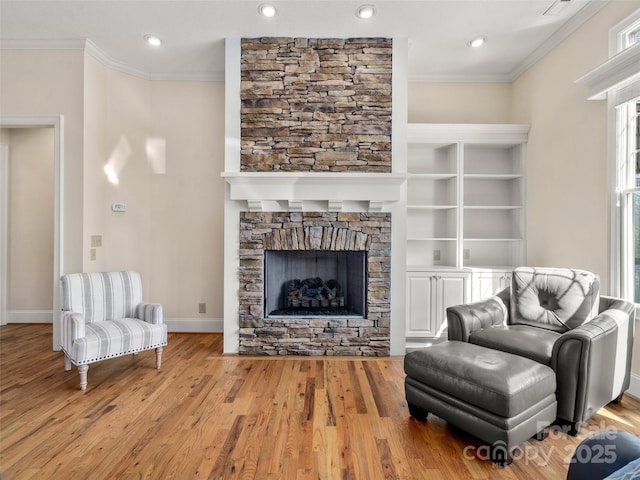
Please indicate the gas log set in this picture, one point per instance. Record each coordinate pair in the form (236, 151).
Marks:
(314, 293)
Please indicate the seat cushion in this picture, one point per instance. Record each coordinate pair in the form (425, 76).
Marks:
(524, 340)
(112, 338)
(498, 382)
(558, 299)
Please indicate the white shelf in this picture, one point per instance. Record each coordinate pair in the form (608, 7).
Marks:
(431, 176)
(431, 207)
(492, 176)
(431, 239)
(493, 239)
(476, 133)
(492, 207)
(427, 267)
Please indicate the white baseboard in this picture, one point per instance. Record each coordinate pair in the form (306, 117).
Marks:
(30, 316)
(195, 325)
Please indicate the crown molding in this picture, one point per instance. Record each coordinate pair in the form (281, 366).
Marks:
(96, 52)
(493, 78)
(575, 22)
(99, 54)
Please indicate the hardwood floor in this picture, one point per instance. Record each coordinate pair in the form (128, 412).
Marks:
(205, 415)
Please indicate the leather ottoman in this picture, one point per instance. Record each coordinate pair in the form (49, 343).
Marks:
(500, 398)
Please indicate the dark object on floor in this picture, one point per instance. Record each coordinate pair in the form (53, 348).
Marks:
(609, 454)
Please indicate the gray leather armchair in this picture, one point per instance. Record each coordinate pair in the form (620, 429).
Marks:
(557, 317)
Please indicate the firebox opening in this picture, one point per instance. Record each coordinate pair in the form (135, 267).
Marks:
(316, 283)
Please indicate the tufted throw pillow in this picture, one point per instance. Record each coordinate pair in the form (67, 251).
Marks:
(558, 299)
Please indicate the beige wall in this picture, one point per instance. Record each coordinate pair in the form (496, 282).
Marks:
(459, 102)
(172, 229)
(95, 124)
(187, 201)
(51, 83)
(30, 219)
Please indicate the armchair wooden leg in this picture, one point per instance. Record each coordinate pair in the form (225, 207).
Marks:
(67, 363)
(158, 357)
(82, 370)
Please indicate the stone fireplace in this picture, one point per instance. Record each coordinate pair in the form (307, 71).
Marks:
(309, 333)
(311, 193)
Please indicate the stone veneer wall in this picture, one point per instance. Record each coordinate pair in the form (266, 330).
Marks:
(260, 231)
(316, 104)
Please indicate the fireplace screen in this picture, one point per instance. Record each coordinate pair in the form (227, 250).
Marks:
(315, 283)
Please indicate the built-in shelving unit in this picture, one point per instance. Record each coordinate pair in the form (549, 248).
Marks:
(465, 214)
(465, 196)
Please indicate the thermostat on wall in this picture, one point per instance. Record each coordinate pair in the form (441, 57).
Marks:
(119, 207)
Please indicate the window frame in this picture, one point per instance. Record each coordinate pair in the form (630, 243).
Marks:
(621, 178)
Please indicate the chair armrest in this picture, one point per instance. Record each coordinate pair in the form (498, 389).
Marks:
(463, 320)
(72, 328)
(149, 312)
(593, 362)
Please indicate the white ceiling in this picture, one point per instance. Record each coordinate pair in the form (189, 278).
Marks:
(193, 31)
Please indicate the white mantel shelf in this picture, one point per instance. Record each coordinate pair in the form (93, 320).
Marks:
(295, 187)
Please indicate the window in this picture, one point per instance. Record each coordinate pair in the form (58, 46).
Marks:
(624, 105)
(628, 162)
(625, 34)
(633, 37)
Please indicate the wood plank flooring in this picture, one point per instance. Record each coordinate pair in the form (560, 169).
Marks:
(211, 416)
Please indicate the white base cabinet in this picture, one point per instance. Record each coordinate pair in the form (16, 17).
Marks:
(428, 296)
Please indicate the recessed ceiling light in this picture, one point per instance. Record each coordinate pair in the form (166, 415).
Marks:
(477, 42)
(365, 12)
(153, 40)
(267, 10)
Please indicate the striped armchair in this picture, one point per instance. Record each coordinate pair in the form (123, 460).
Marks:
(103, 316)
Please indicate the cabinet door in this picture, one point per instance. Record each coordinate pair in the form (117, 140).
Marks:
(420, 307)
(428, 296)
(451, 289)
